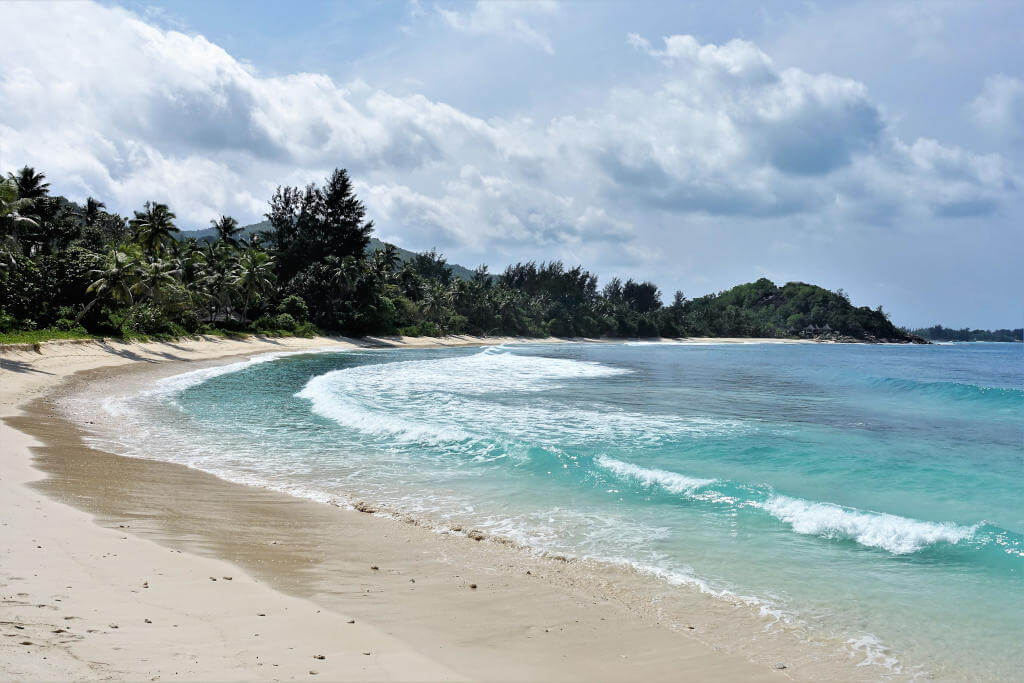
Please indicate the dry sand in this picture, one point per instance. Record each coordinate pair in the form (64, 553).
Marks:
(134, 569)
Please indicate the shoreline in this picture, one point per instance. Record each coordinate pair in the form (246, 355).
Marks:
(529, 617)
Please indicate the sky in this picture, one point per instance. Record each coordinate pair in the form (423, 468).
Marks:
(876, 147)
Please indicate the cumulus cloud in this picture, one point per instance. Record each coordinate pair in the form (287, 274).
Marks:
(999, 108)
(506, 20)
(112, 106)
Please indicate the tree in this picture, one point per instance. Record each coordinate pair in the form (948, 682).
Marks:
(316, 223)
(11, 219)
(91, 211)
(116, 281)
(227, 230)
(154, 228)
(30, 184)
(255, 277)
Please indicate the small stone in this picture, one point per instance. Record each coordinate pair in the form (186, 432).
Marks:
(412, 580)
(148, 621)
(319, 657)
(363, 506)
(226, 578)
(367, 653)
(213, 578)
(29, 642)
(374, 567)
(780, 665)
(261, 614)
(351, 621)
(476, 535)
(312, 673)
(113, 626)
(473, 586)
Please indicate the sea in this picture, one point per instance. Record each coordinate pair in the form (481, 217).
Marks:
(871, 494)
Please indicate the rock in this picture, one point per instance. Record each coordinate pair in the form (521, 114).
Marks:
(363, 506)
(476, 534)
(319, 657)
(226, 578)
(261, 614)
(312, 673)
(472, 586)
(113, 626)
(148, 621)
(780, 665)
(367, 653)
(351, 621)
(374, 567)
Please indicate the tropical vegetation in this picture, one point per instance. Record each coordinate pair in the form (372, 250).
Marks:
(313, 266)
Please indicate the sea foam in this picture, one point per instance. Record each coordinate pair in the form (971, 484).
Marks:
(893, 533)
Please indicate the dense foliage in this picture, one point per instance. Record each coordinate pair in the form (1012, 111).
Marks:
(940, 333)
(81, 268)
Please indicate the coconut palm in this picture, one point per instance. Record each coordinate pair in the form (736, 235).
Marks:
(90, 213)
(158, 280)
(11, 219)
(116, 281)
(154, 228)
(255, 277)
(30, 184)
(227, 230)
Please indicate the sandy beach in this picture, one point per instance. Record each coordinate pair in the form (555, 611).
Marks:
(136, 569)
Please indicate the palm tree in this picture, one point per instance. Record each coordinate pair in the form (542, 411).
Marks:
(227, 230)
(116, 280)
(154, 227)
(255, 276)
(90, 213)
(11, 220)
(385, 261)
(30, 184)
(221, 269)
(158, 280)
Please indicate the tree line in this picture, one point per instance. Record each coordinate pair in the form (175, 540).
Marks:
(940, 333)
(66, 266)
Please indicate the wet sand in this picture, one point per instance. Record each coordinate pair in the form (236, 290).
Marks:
(116, 567)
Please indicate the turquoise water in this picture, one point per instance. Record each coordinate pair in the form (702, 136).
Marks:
(871, 493)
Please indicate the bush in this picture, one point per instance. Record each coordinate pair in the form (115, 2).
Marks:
(284, 321)
(66, 325)
(409, 331)
(144, 320)
(295, 306)
(306, 329)
(430, 329)
(7, 322)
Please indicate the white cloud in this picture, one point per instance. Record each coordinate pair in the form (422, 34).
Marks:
(111, 106)
(999, 108)
(505, 20)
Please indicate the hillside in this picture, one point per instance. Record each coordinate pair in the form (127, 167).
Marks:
(375, 245)
(763, 309)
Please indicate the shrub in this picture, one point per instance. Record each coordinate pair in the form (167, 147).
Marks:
(409, 331)
(7, 322)
(66, 325)
(430, 329)
(306, 329)
(284, 321)
(295, 306)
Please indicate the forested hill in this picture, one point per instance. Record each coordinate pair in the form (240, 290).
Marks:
(314, 266)
(940, 333)
(210, 234)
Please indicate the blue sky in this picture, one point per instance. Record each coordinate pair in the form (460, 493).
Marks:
(876, 147)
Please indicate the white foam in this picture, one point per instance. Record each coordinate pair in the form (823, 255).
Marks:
(898, 535)
(670, 481)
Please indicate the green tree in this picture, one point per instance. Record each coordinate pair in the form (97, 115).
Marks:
(154, 228)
